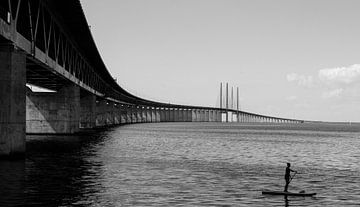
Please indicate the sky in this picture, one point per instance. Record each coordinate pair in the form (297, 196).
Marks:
(290, 58)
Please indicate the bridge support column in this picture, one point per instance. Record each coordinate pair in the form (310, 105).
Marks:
(211, 116)
(110, 114)
(153, 114)
(202, 115)
(143, 114)
(193, 115)
(162, 115)
(57, 112)
(157, 115)
(148, 115)
(134, 117)
(184, 115)
(12, 102)
(181, 115)
(188, 115)
(116, 114)
(122, 114)
(198, 115)
(176, 115)
(207, 115)
(139, 114)
(219, 115)
(172, 114)
(101, 110)
(129, 119)
(88, 111)
(167, 114)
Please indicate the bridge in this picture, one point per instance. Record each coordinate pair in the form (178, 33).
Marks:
(47, 43)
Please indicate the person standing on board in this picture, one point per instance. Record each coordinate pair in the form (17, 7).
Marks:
(287, 176)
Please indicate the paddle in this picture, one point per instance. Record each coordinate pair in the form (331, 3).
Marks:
(292, 177)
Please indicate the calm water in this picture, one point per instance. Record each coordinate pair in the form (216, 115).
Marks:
(187, 164)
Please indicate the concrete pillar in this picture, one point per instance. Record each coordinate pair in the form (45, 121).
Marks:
(186, 115)
(57, 112)
(139, 114)
(12, 101)
(123, 116)
(162, 115)
(216, 116)
(202, 115)
(143, 114)
(167, 114)
(108, 114)
(211, 115)
(148, 115)
(128, 114)
(88, 111)
(207, 117)
(193, 115)
(116, 114)
(153, 114)
(176, 115)
(172, 114)
(198, 115)
(99, 113)
(157, 115)
(134, 114)
(180, 115)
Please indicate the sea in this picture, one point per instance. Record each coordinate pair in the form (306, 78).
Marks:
(187, 164)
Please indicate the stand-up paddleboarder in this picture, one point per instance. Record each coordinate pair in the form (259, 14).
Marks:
(287, 176)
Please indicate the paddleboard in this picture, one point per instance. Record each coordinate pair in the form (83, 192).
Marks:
(287, 193)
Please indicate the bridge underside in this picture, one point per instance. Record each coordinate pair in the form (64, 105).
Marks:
(42, 47)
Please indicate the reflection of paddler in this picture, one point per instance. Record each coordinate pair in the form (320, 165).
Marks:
(287, 176)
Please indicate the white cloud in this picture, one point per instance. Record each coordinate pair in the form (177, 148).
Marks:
(340, 75)
(332, 94)
(301, 80)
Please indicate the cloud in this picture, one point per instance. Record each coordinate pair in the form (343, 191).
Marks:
(341, 75)
(302, 80)
(332, 94)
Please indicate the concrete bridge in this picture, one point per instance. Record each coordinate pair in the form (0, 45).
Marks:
(47, 43)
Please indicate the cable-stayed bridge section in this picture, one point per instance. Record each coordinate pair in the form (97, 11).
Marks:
(48, 43)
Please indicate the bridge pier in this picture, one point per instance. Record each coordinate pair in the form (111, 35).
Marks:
(139, 114)
(12, 102)
(88, 111)
(157, 115)
(180, 115)
(122, 114)
(176, 115)
(101, 118)
(189, 115)
(53, 112)
(162, 114)
(143, 114)
(148, 114)
(153, 114)
(134, 116)
(211, 116)
(116, 114)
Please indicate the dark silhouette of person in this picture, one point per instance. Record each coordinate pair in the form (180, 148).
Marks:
(287, 176)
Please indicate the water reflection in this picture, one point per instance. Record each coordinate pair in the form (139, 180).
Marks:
(12, 183)
(58, 171)
(286, 201)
